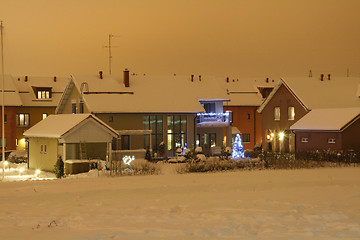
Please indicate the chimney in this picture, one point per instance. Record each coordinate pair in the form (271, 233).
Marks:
(54, 78)
(227, 79)
(26, 78)
(192, 77)
(101, 74)
(322, 77)
(329, 76)
(200, 78)
(126, 78)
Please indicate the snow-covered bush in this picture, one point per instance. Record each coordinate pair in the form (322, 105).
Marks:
(198, 150)
(225, 153)
(142, 167)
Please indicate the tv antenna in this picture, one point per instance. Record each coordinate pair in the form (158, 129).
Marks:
(109, 47)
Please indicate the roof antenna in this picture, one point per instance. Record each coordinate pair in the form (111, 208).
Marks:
(109, 47)
(310, 73)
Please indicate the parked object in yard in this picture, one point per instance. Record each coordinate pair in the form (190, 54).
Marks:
(18, 156)
(7, 153)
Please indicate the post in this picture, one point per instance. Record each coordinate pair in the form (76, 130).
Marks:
(2, 106)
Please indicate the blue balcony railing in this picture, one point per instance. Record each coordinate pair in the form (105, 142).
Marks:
(213, 118)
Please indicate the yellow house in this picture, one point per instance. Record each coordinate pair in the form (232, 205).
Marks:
(69, 136)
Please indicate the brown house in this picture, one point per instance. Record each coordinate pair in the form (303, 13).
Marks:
(246, 95)
(293, 98)
(322, 129)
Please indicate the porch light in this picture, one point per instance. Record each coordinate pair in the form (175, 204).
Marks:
(6, 163)
(37, 172)
(281, 136)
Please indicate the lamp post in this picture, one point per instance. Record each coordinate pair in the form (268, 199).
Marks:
(2, 106)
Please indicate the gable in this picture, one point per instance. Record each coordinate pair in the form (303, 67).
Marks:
(89, 131)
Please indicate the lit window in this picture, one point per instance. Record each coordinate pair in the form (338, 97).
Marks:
(44, 115)
(331, 140)
(23, 119)
(291, 113)
(43, 94)
(277, 113)
(304, 140)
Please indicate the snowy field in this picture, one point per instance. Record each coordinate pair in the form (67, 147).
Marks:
(266, 204)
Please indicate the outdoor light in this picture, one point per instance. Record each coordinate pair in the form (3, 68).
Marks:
(21, 171)
(281, 136)
(37, 172)
(6, 163)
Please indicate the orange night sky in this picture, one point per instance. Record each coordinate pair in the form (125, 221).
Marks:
(236, 38)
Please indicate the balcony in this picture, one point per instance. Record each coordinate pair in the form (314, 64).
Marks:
(214, 119)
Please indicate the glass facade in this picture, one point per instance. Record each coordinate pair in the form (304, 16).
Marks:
(154, 123)
(177, 128)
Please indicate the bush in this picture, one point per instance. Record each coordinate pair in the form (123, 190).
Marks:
(141, 167)
(59, 168)
(225, 153)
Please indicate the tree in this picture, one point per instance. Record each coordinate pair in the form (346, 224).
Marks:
(59, 168)
(238, 149)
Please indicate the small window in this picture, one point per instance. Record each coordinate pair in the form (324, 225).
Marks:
(331, 140)
(73, 107)
(81, 106)
(125, 142)
(245, 137)
(111, 118)
(44, 148)
(277, 113)
(291, 113)
(248, 116)
(5, 118)
(41, 148)
(44, 115)
(304, 140)
(209, 107)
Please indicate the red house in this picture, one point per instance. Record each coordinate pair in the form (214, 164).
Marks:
(334, 128)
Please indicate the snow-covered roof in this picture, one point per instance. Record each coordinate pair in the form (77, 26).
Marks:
(11, 94)
(245, 91)
(150, 94)
(56, 126)
(328, 119)
(27, 94)
(312, 93)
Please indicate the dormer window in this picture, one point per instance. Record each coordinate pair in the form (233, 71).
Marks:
(42, 92)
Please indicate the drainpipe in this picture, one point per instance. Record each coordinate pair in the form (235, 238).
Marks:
(254, 127)
(28, 160)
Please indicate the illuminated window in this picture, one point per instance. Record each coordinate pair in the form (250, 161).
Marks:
(331, 140)
(43, 93)
(44, 115)
(291, 113)
(23, 119)
(154, 123)
(177, 128)
(304, 140)
(277, 113)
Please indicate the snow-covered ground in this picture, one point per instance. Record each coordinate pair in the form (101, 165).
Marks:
(266, 204)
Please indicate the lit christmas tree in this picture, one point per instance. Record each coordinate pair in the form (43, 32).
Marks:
(238, 149)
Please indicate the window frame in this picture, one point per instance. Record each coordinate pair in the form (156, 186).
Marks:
(277, 113)
(291, 114)
(18, 120)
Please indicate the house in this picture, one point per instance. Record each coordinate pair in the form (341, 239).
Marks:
(28, 100)
(71, 137)
(246, 95)
(330, 128)
(180, 111)
(293, 98)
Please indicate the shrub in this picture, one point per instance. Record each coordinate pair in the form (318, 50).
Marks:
(225, 153)
(59, 168)
(141, 167)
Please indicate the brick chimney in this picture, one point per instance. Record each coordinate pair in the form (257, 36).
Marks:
(126, 78)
